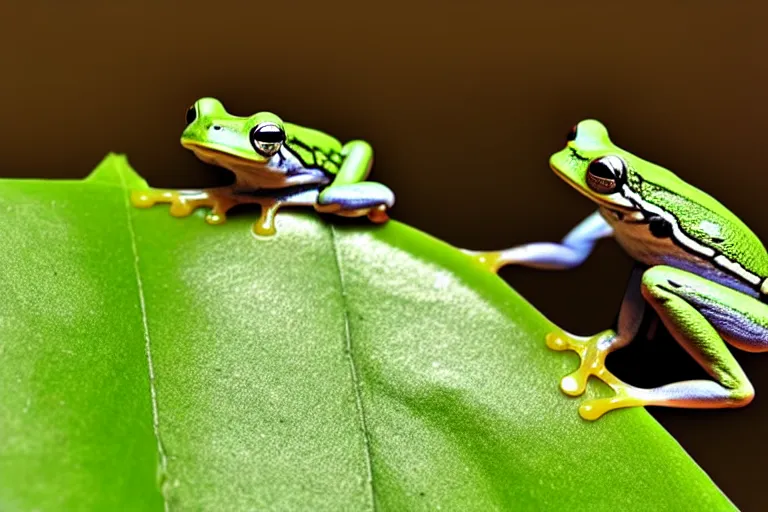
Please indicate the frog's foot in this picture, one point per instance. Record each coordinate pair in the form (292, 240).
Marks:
(356, 200)
(592, 351)
(491, 260)
(184, 202)
(265, 226)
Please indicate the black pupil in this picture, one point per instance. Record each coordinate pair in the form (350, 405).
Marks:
(602, 170)
(571, 134)
(191, 115)
(269, 136)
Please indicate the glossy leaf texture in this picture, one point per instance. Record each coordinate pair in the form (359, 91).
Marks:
(148, 362)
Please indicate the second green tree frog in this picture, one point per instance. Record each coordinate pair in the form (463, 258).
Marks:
(700, 268)
(275, 163)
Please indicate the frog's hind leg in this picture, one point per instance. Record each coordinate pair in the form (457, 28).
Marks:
(357, 199)
(700, 314)
(571, 252)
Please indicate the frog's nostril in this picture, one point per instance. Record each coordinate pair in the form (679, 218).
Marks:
(572, 134)
(216, 127)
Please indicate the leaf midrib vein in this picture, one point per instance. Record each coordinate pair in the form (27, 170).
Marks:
(353, 371)
(147, 343)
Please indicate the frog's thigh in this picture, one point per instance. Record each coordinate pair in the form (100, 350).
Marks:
(740, 319)
(700, 314)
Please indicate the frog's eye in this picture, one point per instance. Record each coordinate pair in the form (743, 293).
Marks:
(606, 174)
(266, 138)
(572, 134)
(191, 114)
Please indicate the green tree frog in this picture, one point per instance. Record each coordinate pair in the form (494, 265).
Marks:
(698, 266)
(275, 164)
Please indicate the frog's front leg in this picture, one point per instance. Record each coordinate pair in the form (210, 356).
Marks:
(571, 252)
(184, 202)
(220, 200)
(349, 195)
(700, 314)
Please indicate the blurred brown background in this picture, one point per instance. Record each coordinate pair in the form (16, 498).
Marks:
(463, 102)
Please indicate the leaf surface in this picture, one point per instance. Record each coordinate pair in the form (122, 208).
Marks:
(150, 362)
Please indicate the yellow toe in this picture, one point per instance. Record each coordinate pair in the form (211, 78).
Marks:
(556, 342)
(594, 409)
(143, 198)
(489, 260)
(572, 386)
(215, 218)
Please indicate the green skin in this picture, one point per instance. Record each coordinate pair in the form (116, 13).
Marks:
(698, 265)
(274, 163)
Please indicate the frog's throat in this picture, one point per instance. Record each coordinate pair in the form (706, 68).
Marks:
(250, 172)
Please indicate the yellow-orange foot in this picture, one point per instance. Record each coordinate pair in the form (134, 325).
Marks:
(378, 215)
(265, 226)
(592, 352)
(184, 202)
(626, 396)
(490, 259)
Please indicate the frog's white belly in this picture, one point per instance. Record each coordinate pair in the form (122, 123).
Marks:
(641, 245)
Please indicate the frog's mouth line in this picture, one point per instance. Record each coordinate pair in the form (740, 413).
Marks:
(206, 152)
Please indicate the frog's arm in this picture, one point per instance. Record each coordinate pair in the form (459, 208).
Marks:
(349, 194)
(570, 252)
(358, 157)
(222, 199)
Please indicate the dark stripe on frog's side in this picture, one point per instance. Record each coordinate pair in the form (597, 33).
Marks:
(328, 162)
(702, 245)
(710, 249)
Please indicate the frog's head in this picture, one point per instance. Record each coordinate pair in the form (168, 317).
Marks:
(593, 165)
(236, 143)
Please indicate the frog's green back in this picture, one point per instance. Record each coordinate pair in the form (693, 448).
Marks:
(314, 148)
(703, 217)
(670, 181)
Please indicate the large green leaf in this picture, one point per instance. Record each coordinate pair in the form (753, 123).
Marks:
(148, 361)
